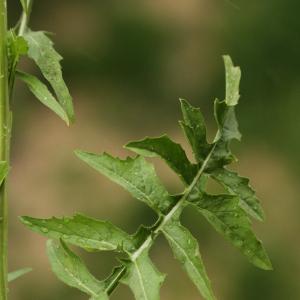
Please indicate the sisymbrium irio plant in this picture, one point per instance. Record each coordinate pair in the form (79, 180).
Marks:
(36, 45)
(229, 213)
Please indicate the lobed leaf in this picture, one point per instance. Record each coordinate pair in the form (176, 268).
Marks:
(143, 278)
(16, 274)
(186, 250)
(239, 186)
(135, 175)
(41, 92)
(226, 119)
(168, 150)
(194, 128)
(226, 213)
(226, 216)
(48, 60)
(70, 269)
(82, 231)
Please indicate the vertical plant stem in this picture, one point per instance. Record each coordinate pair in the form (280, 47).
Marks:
(4, 148)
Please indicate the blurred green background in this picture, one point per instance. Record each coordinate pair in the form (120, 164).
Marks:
(127, 62)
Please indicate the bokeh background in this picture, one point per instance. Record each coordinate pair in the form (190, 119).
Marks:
(127, 62)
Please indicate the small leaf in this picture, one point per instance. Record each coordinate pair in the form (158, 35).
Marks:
(226, 120)
(3, 170)
(16, 274)
(135, 175)
(239, 186)
(186, 250)
(233, 77)
(48, 60)
(82, 231)
(194, 128)
(143, 278)
(70, 269)
(40, 90)
(168, 150)
(16, 46)
(226, 216)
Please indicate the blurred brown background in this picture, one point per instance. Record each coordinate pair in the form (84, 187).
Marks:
(127, 62)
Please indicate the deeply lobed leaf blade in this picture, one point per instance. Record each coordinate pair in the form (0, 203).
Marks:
(168, 150)
(135, 175)
(239, 186)
(70, 269)
(193, 125)
(82, 231)
(226, 216)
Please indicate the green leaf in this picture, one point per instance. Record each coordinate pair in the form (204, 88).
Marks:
(82, 231)
(16, 46)
(143, 278)
(233, 77)
(4, 168)
(239, 186)
(194, 128)
(113, 279)
(24, 4)
(228, 218)
(41, 92)
(186, 250)
(135, 175)
(48, 60)
(70, 269)
(168, 150)
(226, 120)
(16, 274)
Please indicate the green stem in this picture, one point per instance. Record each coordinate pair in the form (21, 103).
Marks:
(6, 88)
(4, 147)
(22, 29)
(25, 18)
(160, 226)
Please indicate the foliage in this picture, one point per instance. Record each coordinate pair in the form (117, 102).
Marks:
(36, 45)
(229, 213)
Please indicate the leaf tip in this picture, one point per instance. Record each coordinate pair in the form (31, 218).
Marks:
(233, 77)
(25, 221)
(79, 153)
